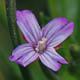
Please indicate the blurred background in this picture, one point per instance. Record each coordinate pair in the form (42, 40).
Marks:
(45, 10)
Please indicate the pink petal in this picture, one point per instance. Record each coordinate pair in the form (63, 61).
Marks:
(54, 26)
(61, 35)
(28, 25)
(49, 62)
(28, 58)
(54, 55)
(23, 54)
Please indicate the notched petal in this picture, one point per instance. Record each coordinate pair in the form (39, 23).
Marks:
(28, 59)
(54, 55)
(53, 26)
(49, 62)
(29, 26)
(61, 35)
(20, 51)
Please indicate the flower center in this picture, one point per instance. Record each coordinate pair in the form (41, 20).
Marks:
(41, 46)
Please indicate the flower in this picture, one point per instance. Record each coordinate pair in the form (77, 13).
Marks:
(41, 43)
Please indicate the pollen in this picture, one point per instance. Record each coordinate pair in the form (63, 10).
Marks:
(41, 46)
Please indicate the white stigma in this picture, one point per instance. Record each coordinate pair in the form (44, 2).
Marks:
(41, 45)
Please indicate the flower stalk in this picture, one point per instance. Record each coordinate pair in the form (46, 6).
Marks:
(11, 10)
(52, 8)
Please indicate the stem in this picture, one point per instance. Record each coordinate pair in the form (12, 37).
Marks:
(12, 26)
(11, 16)
(52, 8)
(36, 72)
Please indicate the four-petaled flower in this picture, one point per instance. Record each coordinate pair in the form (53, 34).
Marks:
(41, 43)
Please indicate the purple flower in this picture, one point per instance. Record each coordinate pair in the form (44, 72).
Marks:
(41, 43)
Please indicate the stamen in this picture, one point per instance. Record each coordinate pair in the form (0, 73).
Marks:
(41, 45)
